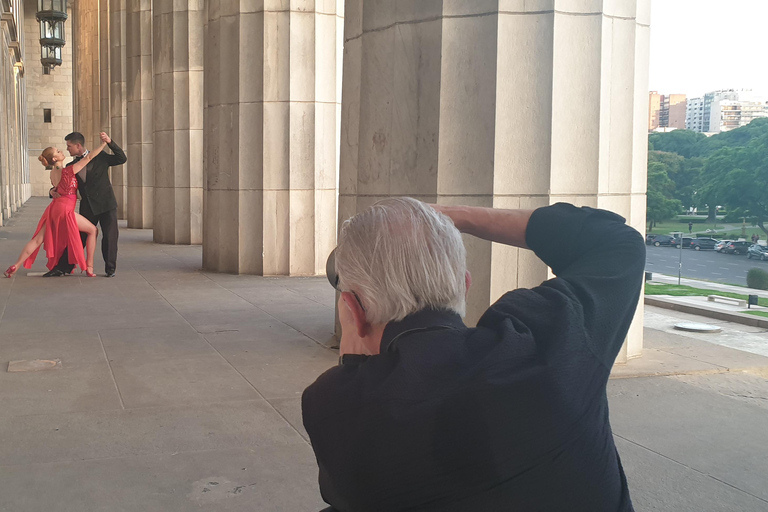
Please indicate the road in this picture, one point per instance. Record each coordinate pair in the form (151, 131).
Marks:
(706, 265)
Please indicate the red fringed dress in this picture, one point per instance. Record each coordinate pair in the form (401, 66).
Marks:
(61, 225)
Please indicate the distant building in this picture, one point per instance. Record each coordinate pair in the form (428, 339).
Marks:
(728, 115)
(724, 110)
(666, 111)
(654, 110)
(694, 115)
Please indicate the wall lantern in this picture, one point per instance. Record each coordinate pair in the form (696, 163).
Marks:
(51, 14)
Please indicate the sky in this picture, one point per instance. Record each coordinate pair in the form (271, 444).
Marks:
(699, 46)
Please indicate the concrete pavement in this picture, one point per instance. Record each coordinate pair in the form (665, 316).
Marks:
(179, 390)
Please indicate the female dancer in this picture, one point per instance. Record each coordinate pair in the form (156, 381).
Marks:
(60, 226)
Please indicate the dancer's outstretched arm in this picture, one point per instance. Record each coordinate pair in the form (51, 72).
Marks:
(80, 165)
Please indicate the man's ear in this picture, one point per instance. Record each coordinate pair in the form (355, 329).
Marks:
(468, 280)
(358, 315)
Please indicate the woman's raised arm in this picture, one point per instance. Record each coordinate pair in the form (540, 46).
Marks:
(80, 165)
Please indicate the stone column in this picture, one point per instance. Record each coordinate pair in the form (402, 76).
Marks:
(117, 98)
(6, 139)
(87, 69)
(271, 125)
(105, 83)
(178, 121)
(139, 122)
(504, 104)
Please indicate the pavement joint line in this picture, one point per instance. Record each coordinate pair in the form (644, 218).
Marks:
(111, 372)
(712, 371)
(725, 368)
(127, 456)
(306, 441)
(146, 408)
(708, 475)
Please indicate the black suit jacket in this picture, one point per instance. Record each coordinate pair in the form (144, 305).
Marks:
(97, 189)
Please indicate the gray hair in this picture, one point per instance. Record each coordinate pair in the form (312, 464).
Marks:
(401, 256)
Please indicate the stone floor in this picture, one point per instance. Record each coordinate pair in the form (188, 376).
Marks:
(179, 390)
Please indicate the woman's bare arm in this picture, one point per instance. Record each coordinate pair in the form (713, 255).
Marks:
(80, 165)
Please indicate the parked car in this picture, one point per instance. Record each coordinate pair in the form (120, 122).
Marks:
(720, 246)
(661, 240)
(686, 242)
(737, 247)
(698, 244)
(757, 251)
(649, 239)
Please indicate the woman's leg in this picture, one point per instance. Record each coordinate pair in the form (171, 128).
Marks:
(85, 226)
(31, 247)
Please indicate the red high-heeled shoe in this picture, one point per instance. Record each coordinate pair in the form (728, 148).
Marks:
(10, 271)
(89, 272)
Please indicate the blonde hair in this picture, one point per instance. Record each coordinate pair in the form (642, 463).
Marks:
(46, 156)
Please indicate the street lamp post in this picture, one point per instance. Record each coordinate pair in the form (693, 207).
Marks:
(51, 14)
(679, 235)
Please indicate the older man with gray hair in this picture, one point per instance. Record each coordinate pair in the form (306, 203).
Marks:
(424, 413)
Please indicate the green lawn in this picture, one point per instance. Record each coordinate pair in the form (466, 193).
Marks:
(722, 229)
(689, 291)
(757, 313)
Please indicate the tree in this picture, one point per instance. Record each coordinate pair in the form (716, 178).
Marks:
(729, 169)
(660, 203)
(740, 137)
(684, 172)
(738, 177)
(685, 143)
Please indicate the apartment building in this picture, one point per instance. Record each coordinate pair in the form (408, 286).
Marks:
(666, 111)
(724, 110)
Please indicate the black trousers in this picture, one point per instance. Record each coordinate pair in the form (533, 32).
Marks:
(107, 223)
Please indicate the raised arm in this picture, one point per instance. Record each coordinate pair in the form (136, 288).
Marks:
(598, 261)
(118, 158)
(503, 226)
(80, 165)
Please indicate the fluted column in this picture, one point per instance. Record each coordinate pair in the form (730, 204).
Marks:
(117, 97)
(504, 104)
(139, 122)
(86, 60)
(271, 124)
(639, 172)
(178, 121)
(105, 83)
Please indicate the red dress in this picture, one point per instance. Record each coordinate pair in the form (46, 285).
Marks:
(61, 225)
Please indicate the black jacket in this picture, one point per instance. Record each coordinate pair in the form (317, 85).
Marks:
(97, 189)
(510, 415)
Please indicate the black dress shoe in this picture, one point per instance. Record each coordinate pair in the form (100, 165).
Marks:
(110, 274)
(54, 273)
